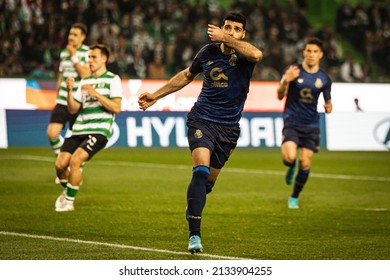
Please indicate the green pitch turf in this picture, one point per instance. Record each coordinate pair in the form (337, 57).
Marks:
(131, 206)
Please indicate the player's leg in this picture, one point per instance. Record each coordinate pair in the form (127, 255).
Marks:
(289, 155)
(226, 142)
(59, 117)
(61, 165)
(196, 195)
(75, 178)
(305, 158)
(54, 136)
(209, 185)
(78, 158)
(214, 172)
(62, 169)
(90, 145)
(309, 143)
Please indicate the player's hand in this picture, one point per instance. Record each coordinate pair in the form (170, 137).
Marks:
(69, 83)
(145, 100)
(291, 73)
(71, 49)
(215, 33)
(328, 107)
(88, 89)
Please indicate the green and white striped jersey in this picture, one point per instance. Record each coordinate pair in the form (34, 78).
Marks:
(68, 70)
(93, 117)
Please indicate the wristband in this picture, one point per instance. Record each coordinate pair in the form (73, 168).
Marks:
(74, 59)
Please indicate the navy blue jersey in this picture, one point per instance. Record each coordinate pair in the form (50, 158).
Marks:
(225, 85)
(302, 98)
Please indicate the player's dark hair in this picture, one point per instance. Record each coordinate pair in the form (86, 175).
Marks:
(103, 49)
(80, 26)
(314, 41)
(236, 17)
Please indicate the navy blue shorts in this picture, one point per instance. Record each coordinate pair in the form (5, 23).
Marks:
(60, 114)
(304, 137)
(91, 143)
(219, 139)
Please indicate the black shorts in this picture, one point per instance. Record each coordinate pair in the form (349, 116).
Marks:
(219, 139)
(91, 143)
(304, 137)
(60, 114)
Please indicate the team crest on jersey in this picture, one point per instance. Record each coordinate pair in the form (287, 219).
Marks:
(300, 80)
(233, 60)
(210, 62)
(198, 134)
(318, 83)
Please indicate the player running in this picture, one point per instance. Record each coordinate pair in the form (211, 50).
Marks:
(302, 85)
(213, 129)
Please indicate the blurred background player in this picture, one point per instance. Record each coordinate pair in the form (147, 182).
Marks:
(302, 85)
(97, 99)
(74, 63)
(213, 129)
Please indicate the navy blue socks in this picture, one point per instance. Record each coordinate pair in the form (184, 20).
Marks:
(300, 181)
(196, 197)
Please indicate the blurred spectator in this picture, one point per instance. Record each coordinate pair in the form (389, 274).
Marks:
(39, 71)
(12, 66)
(351, 71)
(137, 31)
(137, 65)
(344, 17)
(157, 69)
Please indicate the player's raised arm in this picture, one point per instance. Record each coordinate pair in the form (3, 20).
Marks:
(291, 74)
(225, 35)
(177, 82)
(73, 105)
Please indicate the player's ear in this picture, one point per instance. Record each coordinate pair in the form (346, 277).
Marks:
(243, 35)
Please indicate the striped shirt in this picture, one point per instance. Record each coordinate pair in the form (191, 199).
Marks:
(93, 117)
(68, 70)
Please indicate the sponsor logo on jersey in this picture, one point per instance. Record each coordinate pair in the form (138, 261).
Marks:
(217, 75)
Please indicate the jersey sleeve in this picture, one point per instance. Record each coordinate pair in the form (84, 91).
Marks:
(196, 65)
(327, 90)
(116, 88)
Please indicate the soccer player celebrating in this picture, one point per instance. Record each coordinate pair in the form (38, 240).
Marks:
(73, 63)
(97, 99)
(302, 85)
(213, 129)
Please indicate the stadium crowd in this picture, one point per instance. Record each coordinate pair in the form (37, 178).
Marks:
(153, 39)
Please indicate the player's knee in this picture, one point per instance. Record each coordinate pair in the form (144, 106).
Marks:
(52, 133)
(60, 166)
(75, 162)
(288, 161)
(304, 164)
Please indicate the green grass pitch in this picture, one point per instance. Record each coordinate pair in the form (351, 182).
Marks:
(131, 206)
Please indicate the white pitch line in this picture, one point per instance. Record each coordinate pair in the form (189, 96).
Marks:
(111, 245)
(226, 169)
